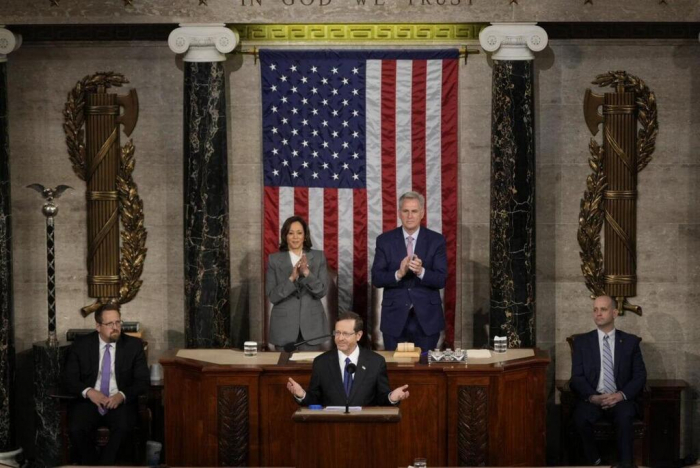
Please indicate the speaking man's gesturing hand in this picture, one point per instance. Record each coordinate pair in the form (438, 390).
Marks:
(295, 389)
(399, 394)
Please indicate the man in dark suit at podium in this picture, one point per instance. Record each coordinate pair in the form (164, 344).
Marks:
(106, 371)
(607, 374)
(349, 375)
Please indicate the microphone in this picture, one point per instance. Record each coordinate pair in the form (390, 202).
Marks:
(351, 368)
(291, 347)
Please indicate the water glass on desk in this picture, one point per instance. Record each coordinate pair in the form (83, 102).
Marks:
(250, 348)
(420, 463)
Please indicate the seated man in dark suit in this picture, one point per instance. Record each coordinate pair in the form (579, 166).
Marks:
(607, 374)
(107, 371)
(331, 382)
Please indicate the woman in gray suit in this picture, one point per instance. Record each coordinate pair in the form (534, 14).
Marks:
(296, 280)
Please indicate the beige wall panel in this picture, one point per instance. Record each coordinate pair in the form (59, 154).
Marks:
(41, 77)
(310, 11)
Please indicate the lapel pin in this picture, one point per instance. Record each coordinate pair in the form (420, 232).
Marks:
(364, 368)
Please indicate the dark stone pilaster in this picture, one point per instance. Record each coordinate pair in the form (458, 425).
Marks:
(207, 262)
(48, 363)
(512, 259)
(7, 332)
(513, 204)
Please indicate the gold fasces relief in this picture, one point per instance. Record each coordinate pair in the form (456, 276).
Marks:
(630, 127)
(92, 119)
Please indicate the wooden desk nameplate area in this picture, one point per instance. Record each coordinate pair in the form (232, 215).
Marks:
(333, 439)
(376, 414)
(457, 415)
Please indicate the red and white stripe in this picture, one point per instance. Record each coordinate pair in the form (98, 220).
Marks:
(411, 144)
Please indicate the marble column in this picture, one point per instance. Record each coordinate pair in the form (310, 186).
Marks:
(9, 42)
(48, 440)
(207, 257)
(512, 258)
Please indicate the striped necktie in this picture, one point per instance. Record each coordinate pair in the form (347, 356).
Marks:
(608, 368)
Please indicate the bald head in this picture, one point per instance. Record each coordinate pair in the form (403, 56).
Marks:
(604, 313)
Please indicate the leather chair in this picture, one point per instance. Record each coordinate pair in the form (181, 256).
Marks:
(374, 320)
(604, 430)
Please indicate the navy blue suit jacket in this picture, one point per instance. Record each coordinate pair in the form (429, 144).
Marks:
(423, 294)
(370, 386)
(630, 372)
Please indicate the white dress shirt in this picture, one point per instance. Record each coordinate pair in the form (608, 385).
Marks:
(354, 356)
(294, 258)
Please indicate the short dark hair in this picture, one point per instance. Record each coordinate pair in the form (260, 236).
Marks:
(285, 230)
(103, 309)
(352, 316)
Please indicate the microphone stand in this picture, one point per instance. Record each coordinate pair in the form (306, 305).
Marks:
(351, 368)
(291, 347)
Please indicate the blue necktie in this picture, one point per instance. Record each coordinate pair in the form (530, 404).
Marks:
(347, 377)
(608, 368)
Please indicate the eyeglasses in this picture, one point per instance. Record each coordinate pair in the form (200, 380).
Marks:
(337, 333)
(115, 324)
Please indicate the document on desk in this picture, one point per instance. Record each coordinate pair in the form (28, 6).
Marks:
(478, 354)
(342, 408)
(305, 355)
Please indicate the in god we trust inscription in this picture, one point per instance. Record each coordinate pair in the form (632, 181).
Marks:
(360, 3)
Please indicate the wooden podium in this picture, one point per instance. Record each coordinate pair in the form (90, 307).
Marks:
(457, 415)
(366, 438)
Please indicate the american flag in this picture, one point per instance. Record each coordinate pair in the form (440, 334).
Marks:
(345, 133)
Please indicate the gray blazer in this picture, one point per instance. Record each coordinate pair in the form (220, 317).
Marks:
(296, 306)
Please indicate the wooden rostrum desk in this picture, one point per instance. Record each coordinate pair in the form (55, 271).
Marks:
(220, 414)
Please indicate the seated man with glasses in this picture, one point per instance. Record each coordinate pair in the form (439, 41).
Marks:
(351, 374)
(107, 371)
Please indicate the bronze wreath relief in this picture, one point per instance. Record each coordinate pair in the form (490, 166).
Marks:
(92, 119)
(630, 127)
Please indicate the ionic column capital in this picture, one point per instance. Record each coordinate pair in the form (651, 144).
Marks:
(203, 42)
(9, 42)
(513, 41)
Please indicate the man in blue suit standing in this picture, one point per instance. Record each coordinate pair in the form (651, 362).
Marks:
(410, 263)
(607, 374)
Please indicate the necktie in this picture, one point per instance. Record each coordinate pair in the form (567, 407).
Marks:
(347, 377)
(409, 246)
(106, 372)
(608, 368)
